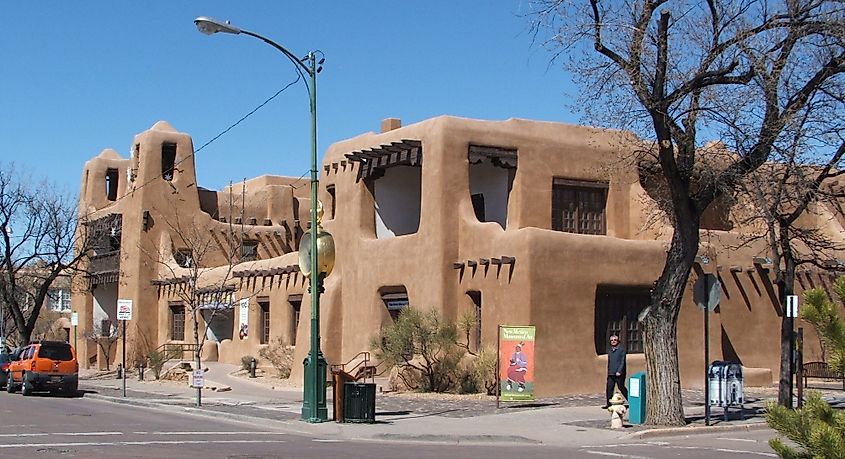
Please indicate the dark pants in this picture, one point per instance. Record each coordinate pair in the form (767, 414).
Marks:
(618, 381)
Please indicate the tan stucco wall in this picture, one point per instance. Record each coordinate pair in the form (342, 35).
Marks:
(552, 283)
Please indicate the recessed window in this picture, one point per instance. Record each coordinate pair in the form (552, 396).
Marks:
(264, 305)
(475, 334)
(249, 250)
(168, 160)
(177, 322)
(617, 311)
(111, 184)
(295, 302)
(59, 299)
(579, 206)
(332, 200)
(184, 258)
(491, 174)
(395, 300)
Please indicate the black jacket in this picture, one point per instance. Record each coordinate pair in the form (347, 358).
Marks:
(616, 360)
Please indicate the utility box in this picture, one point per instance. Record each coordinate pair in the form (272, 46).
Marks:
(725, 385)
(359, 402)
(636, 398)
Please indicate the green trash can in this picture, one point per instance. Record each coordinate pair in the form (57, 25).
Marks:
(636, 398)
(359, 402)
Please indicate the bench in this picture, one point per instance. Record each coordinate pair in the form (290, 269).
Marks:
(822, 371)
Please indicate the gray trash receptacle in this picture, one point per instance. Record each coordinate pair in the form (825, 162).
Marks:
(359, 402)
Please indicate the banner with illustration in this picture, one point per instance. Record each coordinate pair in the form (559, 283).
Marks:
(516, 363)
(243, 316)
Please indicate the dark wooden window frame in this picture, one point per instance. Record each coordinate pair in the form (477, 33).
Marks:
(616, 311)
(295, 302)
(582, 189)
(177, 322)
(264, 305)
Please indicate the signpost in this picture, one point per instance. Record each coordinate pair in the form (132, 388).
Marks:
(707, 292)
(791, 314)
(198, 379)
(74, 320)
(124, 314)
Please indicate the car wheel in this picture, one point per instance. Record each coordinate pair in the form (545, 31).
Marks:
(10, 384)
(26, 386)
(71, 390)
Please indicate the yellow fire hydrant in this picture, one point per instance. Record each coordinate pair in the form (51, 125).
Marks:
(617, 411)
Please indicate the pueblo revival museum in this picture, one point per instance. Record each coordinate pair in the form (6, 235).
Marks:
(518, 222)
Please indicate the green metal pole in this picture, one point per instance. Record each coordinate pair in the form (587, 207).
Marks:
(315, 397)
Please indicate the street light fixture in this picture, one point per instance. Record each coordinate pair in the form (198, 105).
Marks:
(314, 392)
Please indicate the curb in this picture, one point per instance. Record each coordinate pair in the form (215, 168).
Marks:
(696, 430)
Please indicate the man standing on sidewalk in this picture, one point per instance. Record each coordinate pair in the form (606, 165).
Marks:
(615, 369)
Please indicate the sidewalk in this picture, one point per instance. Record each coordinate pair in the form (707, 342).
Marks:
(560, 421)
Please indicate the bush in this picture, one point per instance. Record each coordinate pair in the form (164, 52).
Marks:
(816, 428)
(425, 349)
(246, 362)
(156, 361)
(280, 355)
(484, 370)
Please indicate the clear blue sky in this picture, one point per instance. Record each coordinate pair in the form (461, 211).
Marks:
(79, 77)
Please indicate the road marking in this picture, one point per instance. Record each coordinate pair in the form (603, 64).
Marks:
(66, 434)
(607, 453)
(136, 443)
(319, 440)
(212, 433)
(749, 440)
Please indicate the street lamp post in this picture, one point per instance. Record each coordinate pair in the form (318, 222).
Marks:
(314, 392)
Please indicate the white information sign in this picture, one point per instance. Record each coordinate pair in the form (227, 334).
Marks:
(124, 309)
(74, 319)
(634, 390)
(243, 326)
(198, 379)
(792, 306)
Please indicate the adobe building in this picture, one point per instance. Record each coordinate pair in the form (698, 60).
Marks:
(518, 222)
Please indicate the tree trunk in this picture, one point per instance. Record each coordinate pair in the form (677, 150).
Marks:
(786, 287)
(663, 383)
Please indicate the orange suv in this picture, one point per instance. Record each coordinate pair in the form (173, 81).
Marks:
(48, 365)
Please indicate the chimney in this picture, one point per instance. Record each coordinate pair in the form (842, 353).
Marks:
(389, 124)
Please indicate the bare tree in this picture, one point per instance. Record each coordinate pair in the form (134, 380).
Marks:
(798, 183)
(41, 238)
(105, 335)
(675, 70)
(202, 261)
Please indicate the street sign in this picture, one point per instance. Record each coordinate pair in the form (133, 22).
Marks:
(792, 306)
(74, 319)
(124, 309)
(707, 292)
(198, 379)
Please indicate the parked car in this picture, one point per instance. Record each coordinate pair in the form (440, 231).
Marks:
(46, 365)
(5, 358)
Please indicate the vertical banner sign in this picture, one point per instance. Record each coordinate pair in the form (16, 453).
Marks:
(792, 306)
(516, 363)
(74, 319)
(243, 321)
(124, 309)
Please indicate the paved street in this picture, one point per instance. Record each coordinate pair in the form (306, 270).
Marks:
(44, 426)
(251, 419)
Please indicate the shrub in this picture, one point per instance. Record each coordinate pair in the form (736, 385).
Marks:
(246, 362)
(816, 428)
(484, 370)
(280, 355)
(156, 361)
(425, 349)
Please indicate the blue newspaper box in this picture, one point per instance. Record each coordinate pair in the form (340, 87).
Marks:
(636, 398)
